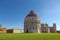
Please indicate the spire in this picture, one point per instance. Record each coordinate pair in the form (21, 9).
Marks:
(31, 13)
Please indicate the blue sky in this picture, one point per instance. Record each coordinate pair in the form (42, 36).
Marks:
(13, 12)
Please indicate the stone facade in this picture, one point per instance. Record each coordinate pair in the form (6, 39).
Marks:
(18, 31)
(15, 31)
(2, 30)
(32, 24)
(53, 28)
(47, 29)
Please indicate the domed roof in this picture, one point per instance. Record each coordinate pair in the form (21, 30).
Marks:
(31, 14)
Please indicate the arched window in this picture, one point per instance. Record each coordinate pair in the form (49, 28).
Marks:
(36, 27)
(33, 27)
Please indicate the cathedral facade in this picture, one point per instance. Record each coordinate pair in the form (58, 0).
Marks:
(32, 24)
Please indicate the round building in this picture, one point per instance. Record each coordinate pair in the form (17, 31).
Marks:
(32, 23)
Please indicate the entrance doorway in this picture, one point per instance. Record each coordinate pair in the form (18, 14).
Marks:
(27, 31)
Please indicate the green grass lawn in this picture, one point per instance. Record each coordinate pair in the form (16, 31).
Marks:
(30, 36)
